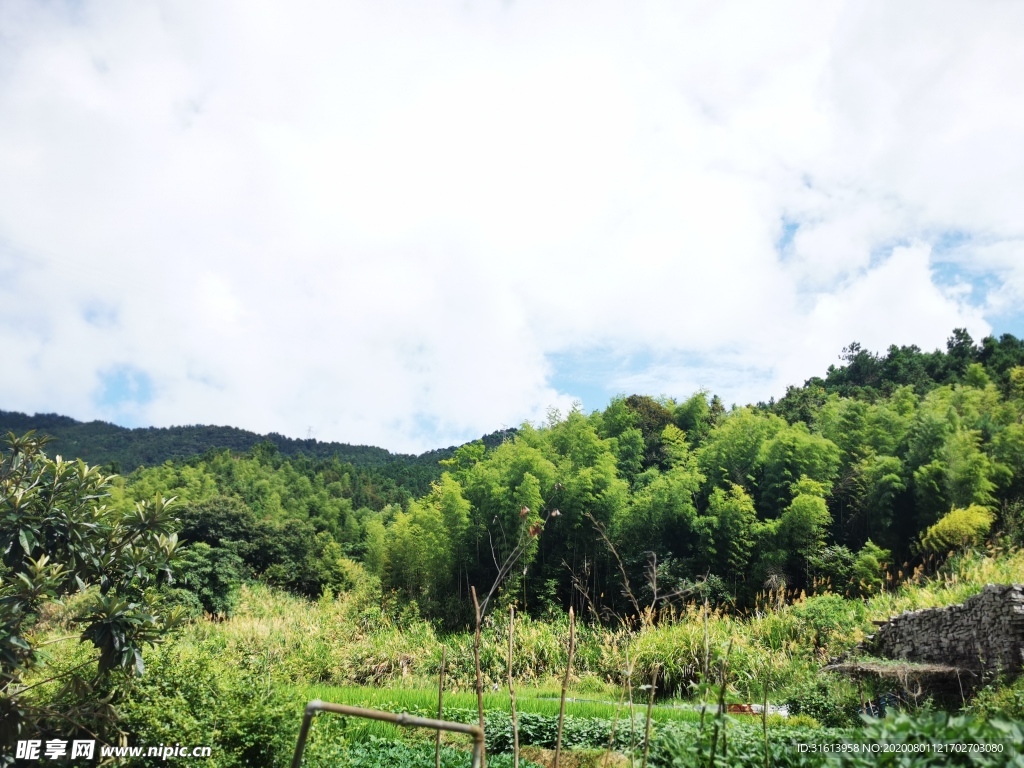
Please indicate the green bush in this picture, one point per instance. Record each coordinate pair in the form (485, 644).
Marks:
(213, 574)
(997, 741)
(829, 699)
(190, 696)
(684, 745)
(958, 529)
(900, 740)
(542, 731)
(829, 618)
(996, 701)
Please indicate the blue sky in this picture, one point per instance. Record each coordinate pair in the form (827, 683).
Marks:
(123, 391)
(409, 224)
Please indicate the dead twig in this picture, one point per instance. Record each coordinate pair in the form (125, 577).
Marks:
(627, 590)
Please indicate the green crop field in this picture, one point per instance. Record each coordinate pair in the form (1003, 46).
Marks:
(540, 701)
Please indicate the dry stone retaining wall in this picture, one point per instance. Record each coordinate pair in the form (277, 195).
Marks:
(984, 633)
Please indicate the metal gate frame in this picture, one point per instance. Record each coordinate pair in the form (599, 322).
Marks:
(400, 718)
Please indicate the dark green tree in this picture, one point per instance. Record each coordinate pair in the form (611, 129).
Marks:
(57, 538)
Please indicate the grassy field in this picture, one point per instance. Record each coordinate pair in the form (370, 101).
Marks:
(461, 706)
(541, 701)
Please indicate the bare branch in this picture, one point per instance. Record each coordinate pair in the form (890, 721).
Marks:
(581, 587)
(627, 591)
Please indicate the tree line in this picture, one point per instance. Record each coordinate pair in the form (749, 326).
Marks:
(886, 458)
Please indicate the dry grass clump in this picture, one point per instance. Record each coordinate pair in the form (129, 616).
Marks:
(961, 577)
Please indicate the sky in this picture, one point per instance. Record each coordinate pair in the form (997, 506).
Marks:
(407, 224)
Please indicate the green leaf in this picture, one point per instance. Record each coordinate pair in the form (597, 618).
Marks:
(28, 540)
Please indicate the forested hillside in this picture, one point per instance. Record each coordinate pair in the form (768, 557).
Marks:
(886, 459)
(826, 511)
(99, 442)
(122, 450)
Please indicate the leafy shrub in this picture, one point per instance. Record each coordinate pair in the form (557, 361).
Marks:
(868, 572)
(1000, 738)
(542, 731)
(213, 575)
(590, 683)
(878, 743)
(684, 745)
(996, 701)
(799, 721)
(827, 698)
(958, 529)
(190, 696)
(827, 618)
(187, 602)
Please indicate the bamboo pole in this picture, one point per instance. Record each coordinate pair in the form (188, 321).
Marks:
(615, 723)
(440, 704)
(720, 719)
(512, 689)
(764, 710)
(476, 662)
(565, 687)
(632, 715)
(650, 708)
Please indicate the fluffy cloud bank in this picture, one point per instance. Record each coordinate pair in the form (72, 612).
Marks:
(395, 222)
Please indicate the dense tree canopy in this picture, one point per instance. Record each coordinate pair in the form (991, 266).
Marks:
(884, 459)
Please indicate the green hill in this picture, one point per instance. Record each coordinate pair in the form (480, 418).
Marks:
(99, 442)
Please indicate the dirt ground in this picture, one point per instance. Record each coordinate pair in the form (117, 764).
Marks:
(577, 758)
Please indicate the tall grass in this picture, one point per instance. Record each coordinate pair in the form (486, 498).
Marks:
(245, 679)
(351, 640)
(960, 577)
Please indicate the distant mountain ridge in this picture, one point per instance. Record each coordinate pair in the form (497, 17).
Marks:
(124, 449)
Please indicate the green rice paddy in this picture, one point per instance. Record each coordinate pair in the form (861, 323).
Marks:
(461, 706)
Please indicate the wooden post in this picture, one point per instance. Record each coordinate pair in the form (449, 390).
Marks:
(440, 713)
(565, 686)
(476, 662)
(511, 688)
(650, 708)
(764, 710)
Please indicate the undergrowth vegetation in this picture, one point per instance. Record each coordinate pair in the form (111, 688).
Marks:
(241, 684)
(728, 555)
(350, 640)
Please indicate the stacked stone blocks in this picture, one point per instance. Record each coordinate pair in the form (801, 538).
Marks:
(985, 633)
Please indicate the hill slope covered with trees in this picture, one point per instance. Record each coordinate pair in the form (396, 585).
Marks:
(119, 449)
(886, 459)
(842, 488)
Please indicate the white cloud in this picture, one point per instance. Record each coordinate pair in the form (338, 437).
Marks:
(379, 219)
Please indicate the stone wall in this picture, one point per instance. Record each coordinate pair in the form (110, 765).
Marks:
(984, 633)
